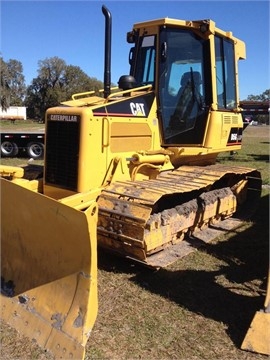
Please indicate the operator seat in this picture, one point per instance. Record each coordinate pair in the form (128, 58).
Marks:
(188, 99)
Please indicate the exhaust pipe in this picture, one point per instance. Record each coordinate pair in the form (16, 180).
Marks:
(107, 57)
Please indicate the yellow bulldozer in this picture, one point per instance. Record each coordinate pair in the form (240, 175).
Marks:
(131, 168)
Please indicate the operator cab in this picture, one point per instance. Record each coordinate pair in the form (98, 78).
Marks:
(175, 57)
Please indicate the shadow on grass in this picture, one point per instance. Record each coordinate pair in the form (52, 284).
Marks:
(246, 262)
(259, 157)
(243, 158)
(231, 294)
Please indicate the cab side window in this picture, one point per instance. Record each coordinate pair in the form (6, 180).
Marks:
(225, 73)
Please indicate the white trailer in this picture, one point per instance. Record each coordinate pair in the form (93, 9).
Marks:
(13, 113)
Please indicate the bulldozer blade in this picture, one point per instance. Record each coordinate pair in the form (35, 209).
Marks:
(257, 338)
(48, 270)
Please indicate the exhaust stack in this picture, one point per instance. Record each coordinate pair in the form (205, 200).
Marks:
(107, 56)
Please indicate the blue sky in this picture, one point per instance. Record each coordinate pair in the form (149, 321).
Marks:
(74, 31)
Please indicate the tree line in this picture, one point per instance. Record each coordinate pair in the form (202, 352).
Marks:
(56, 82)
(265, 96)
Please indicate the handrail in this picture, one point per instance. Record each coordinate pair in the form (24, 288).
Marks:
(83, 93)
(145, 87)
(129, 91)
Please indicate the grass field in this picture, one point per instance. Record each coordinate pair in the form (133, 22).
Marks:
(198, 308)
(21, 125)
(254, 153)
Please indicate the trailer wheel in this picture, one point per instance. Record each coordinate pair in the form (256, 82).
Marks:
(35, 150)
(9, 149)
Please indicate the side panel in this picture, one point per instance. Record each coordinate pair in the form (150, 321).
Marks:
(130, 137)
(224, 132)
(130, 125)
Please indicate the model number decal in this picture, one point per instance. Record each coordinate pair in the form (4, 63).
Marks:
(235, 136)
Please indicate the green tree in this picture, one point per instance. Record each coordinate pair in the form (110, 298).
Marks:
(262, 97)
(77, 81)
(12, 83)
(56, 82)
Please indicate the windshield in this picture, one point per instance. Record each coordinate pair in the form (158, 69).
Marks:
(181, 87)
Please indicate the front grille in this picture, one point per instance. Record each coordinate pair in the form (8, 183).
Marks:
(62, 154)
